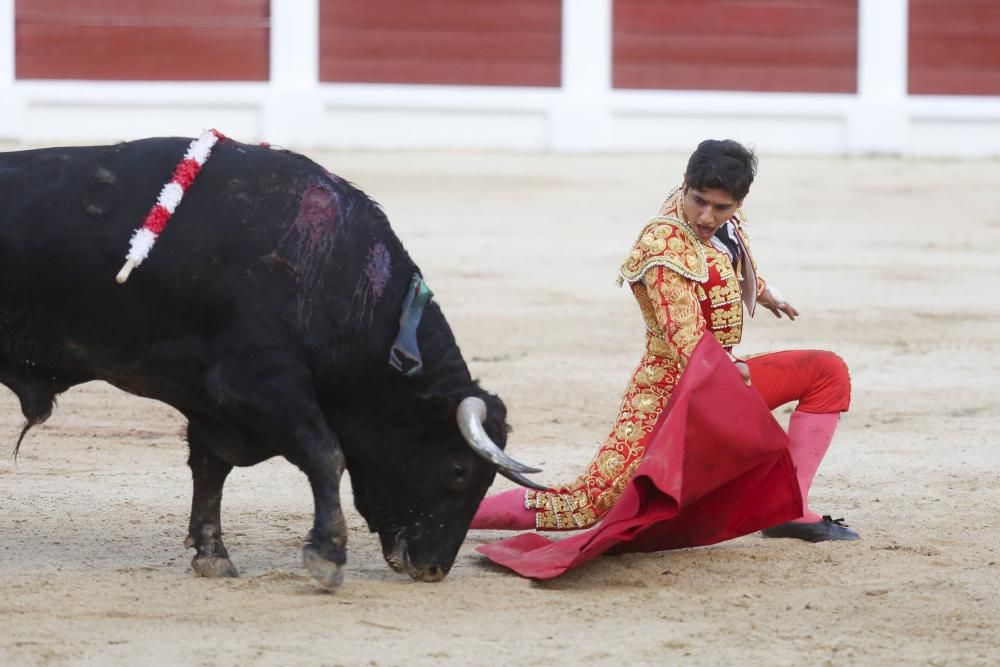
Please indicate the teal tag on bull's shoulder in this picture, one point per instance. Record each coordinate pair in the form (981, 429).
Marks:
(405, 354)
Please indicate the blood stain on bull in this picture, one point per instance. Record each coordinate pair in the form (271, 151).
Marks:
(372, 282)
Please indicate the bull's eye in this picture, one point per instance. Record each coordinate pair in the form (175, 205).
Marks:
(459, 475)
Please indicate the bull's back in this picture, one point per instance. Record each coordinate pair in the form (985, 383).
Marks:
(68, 214)
(260, 236)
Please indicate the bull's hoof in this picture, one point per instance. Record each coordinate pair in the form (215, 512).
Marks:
(213, 566)
(324, 571)
(396, 562)
(396, 556)
(428, 574)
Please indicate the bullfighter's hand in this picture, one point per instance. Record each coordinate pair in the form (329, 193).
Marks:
(744, 370)
(774, 301)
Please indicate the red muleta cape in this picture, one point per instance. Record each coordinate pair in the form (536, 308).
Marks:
(717, 467)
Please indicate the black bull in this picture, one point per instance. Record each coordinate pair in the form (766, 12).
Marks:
(265, 314)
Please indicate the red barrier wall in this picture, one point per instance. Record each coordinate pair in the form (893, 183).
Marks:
(746, 45)
(155, 40)
(954, 47)
(474, 42)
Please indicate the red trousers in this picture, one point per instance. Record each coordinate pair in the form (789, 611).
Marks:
(817, 379)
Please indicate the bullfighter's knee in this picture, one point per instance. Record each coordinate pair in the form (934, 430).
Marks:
(831, 391)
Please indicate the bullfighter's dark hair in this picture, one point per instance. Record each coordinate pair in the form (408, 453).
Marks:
(724, 165)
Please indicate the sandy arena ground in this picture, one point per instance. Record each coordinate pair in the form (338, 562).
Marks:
(893, 264)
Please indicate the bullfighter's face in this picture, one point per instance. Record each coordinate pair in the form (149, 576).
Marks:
(707, 210)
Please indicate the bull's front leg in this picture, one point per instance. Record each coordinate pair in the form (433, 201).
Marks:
(302, 435)
(277, 403)
(325, 551)
(205, 530)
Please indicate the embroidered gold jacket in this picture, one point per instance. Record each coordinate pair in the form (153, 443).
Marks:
(683, 288)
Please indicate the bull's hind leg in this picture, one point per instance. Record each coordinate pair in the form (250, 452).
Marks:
(205, 530)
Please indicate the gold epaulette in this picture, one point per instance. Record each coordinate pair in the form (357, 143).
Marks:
(666, 242)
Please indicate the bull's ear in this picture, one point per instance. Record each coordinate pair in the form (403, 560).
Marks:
(433, 400)
(433, 408)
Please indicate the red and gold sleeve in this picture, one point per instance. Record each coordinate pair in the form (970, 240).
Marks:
(680, 325)
(678, 313)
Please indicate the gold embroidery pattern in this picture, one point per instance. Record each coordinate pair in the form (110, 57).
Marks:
(591, 495)
(728, 337)
(647, 310)
(726, 317)
(720, 299)
(727, 293)
(668, 300)
(667, 241)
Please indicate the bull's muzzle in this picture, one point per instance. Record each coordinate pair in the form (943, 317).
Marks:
(399, 560)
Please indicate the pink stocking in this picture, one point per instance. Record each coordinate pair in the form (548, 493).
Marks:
(504, 511)
(809, 437)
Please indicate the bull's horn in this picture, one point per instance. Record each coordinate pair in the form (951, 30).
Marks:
(522, 480)
(471, 413)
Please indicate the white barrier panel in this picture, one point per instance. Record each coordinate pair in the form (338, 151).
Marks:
(295, 110)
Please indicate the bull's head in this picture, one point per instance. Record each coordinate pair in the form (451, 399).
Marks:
(421, 503)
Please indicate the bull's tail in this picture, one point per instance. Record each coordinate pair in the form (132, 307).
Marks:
(36, 405)
(24, 431)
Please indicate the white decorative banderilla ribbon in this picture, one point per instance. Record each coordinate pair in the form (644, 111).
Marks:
(170, 198)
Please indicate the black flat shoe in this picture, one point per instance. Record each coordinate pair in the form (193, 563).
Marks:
(820, 531)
